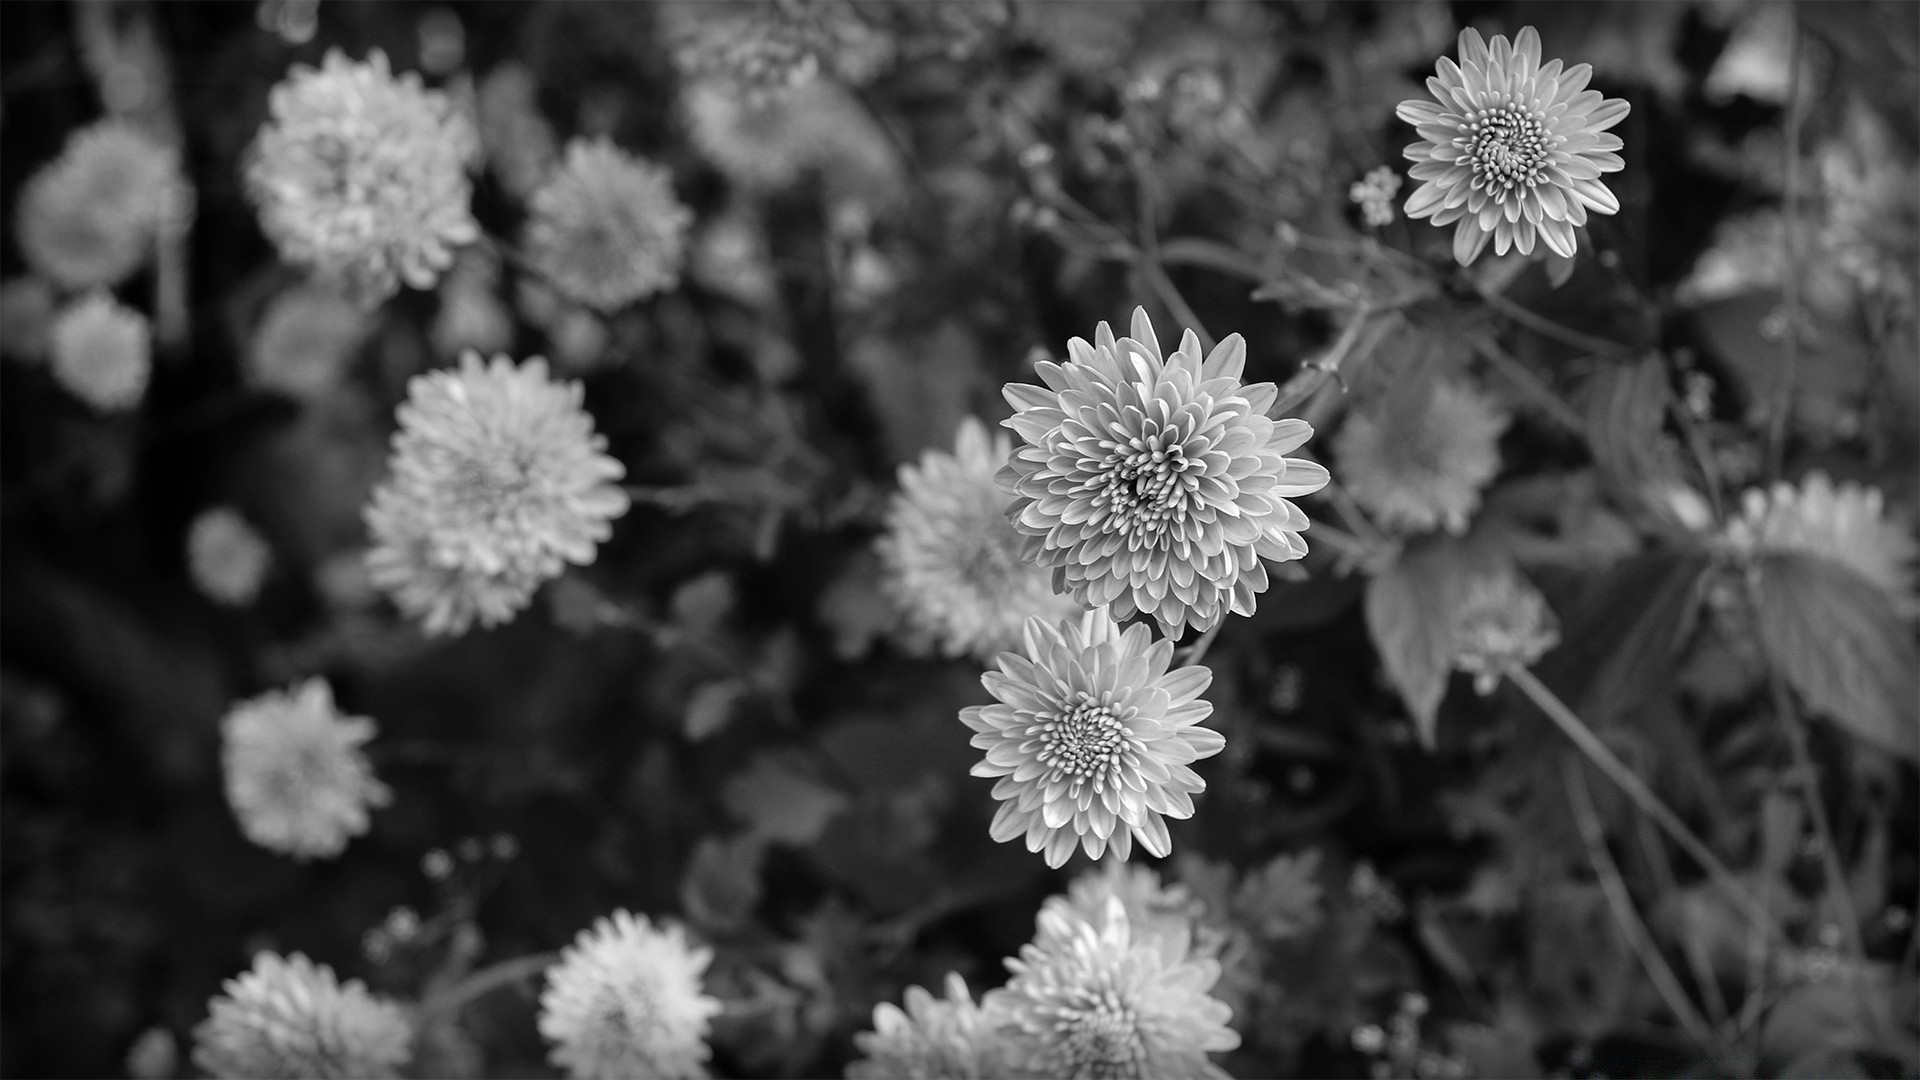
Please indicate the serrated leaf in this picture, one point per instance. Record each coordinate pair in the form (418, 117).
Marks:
(1410, 611)
(1839, 643)
(779, 799)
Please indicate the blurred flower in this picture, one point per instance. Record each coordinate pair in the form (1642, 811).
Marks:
(226, 557)
(362, 175)
(626, 1000)
(953, 562)
(763, 49)
(1091, 737)
(1503, 623)
(519, 142)
(1846, 523)
(1094, 1000)
(1512, 149)
(154, 1055)
(1156, 911)
(296, 775)
(497, 482)
(1374, 194)
(26, 318)
(949, 1038)
(292, 1019)
(1417, 457)
(90, 218)
(768, 145)
(730, 256)
(606, 228)
(1156, 485)
(304, 340)
(102, 352)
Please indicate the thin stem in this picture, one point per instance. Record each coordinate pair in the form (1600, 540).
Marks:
(1531, 386)
(485, 981)
(1314, 373)
(1790, 244)
(1548, 328)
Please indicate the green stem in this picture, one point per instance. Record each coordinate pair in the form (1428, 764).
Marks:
(485, 981)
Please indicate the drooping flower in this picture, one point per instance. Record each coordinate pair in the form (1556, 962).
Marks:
(1503, 623)
(305, 338)
(362, 175)
(933, 1038)
(296, 775)
(292, 1019)
(1156, 485)
(497, 483)
(1513, 149)
(1418, 456)
(953, 562)
(1846, 523)
(1093, 999)
(102, 352)
(606, 228)
(226, 557)
(1374, 194)
(626, 1000)
(1091, 737)
(90, 218)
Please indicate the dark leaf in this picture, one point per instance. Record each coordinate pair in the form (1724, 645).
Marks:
(1410, 610)
(1621, 642)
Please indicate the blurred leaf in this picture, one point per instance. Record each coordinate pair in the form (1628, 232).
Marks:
(1626, 415)
(700, 605)
(722, 885)
(1282, 899)
(1410, 609)
(1837, 1012)
(1621, 641)
(1501, 1050)
(710, 709)
(779, 799)
(854, 609)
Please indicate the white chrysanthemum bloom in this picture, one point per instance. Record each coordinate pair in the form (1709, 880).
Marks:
(102, 352)
(763, 50)
(1156, 485)
(362, 175)
(292, 1019)
(1091, 737)
(296, 774)
(304, 341)
(953, 562)
(1418, 457)
(1503, 623)
(626, 1000)
(1093, 999)
(26, 318)
(1846, 523)
(90, 218)
(1374, 193)
(519, 142)
(1513, 149)
(932, 1038)
(1154, 909)
(606, 228)
(498, 482)
(768, 145)
(226, 557)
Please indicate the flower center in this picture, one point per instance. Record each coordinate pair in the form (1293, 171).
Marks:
(1508, 146)
(1102, 1039)
(1085, 743)
(1149, 482)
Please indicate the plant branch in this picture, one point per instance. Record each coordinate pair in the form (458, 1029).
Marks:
(1790, 245)
(485, 981)
(1548, 328)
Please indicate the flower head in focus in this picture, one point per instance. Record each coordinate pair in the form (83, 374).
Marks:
(498, 481)
(292, 1019)
(1374, 194)
(606, 228)
(626, 1000)
(1503, 623)
(932, 1038)
(1093, 999)
(226, 557)
(90, 218)
(1846, 523)
(362, 175)
(1090, 737)
(1418, 456)
(953, 562)
(305, 338)
(102, 352)
(1512, 149)
(296, 775)
(1156, 484)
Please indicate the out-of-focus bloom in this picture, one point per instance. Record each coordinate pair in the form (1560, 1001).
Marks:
(227, 558)
(1091, 737)
(933, 1038)
(1503, 623)
(1418, 457)
(497, 482)
(102, 352)
(763, 50)
(1095, 1000)
(304, 340)
(292, 1019)
(519, 142)
(626, 1000)
(1513, 149)
(730, 256)
(953, 562)
(1155, 910)
(90, 218)
(606, 228)
(26, 318)
(1374, 194)
(296, 774)
(1846, 523)
(362, 175)
(768, 145)
(1156, 485)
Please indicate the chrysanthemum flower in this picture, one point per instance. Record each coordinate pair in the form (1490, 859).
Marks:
(363, 175)
(497, 482)
(296, 775)
(626, 1000)
(763, 50)
(1503, 623)
(1156, 485)
(305, 338)
(226, 557)
(1512, 149)
(949, 1038)
(102, 352)
(1091, 736)
(1418, 456)
(1846, 523)
(953, 562)
(1095, 1000)
(292, 1019)
(90, 218)
(1154, 909)
(606, 228)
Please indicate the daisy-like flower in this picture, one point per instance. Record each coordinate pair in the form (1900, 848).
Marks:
(102, 352)
(292, 1019)
(953, 562)
(1503, 623)
(764, 50)
(226, 557)
(933, 1038)
(90, 218)
(626, 1000)
(1094, 1000)
(1513, 149)
(1154, 909)
(304, 340)
(1156, 484)
(297, 777)
(1846, 523)
(606, 228)
(1091, 737)
(1418, 456)
(498, 481)
(362, 175)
